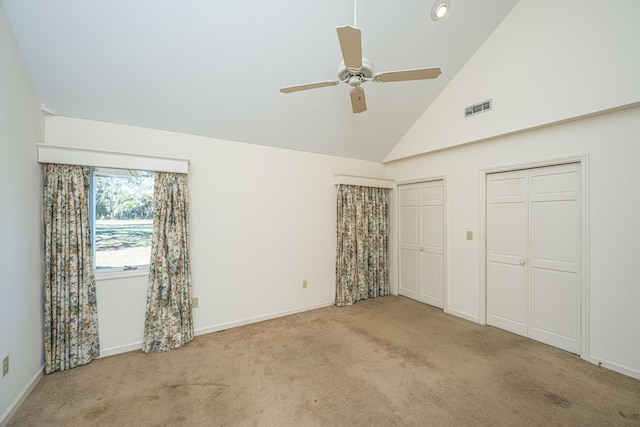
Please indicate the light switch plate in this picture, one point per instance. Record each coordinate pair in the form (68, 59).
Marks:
(469, 235)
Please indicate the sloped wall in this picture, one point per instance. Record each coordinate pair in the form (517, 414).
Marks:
(548, 61)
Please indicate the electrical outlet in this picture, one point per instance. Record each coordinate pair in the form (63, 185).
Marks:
(469, 235)
(304, 284)
(5, 366)
(194, 302)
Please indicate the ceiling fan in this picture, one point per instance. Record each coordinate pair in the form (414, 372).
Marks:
(356, 70)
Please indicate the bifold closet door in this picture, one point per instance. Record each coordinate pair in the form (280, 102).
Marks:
(421, 257)
(533, 241)
(507, 251)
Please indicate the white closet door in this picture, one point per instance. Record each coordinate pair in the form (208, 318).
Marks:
(409, 201)
(421, 257)
(507, 251)
(432, 243)
(554, 260)
(533, 236)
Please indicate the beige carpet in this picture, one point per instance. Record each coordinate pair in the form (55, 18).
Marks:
(381, 362)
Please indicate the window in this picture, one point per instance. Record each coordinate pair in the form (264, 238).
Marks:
(122, 219)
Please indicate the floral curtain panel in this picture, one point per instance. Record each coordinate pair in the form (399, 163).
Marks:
(362, 250)
(168, 321)
(70, 309)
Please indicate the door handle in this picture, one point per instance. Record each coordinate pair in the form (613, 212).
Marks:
(523, 262)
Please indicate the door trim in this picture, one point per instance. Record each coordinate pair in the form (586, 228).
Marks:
(445, 246)
(583, 160)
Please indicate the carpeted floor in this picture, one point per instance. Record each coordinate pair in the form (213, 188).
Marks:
(381, 362)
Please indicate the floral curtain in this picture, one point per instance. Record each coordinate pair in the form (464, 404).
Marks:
(70, 309)
(168, 322)
(362, 250)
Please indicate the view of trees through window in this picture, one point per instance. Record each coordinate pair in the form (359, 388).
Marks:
(123, 217)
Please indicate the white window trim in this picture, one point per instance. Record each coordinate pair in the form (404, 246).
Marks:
(109, 159)
(119, 273)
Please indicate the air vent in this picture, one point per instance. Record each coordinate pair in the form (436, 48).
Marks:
(481, 107)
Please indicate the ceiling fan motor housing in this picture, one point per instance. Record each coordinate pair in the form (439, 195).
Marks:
(365, 72)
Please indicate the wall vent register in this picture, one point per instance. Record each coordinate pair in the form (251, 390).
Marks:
(481, 107)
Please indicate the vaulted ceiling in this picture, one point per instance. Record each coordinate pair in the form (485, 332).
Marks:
(214, 68)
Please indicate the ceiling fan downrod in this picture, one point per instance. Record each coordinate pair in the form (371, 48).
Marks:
(355, 10)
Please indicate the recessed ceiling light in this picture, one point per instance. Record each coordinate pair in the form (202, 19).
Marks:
(440, 9)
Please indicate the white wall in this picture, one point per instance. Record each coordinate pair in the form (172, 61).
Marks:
(21, 127)
(262, 220)
(547, 61)
(612, 145)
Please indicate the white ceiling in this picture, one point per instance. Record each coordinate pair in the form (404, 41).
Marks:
(214, 68)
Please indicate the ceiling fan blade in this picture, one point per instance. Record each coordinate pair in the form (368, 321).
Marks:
(351, 46)
(358, 102)
(309, 86)
(404, 75)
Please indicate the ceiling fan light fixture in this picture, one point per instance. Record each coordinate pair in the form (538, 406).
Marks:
(440, 9)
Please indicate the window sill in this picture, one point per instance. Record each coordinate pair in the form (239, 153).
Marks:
(113, 274)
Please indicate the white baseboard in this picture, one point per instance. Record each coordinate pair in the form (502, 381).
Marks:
(615, 367)
(465, 316)
(106, 352)
(229, 325)
(33, 381)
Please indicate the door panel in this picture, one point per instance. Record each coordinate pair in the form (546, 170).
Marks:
(555, 236)
(507, 231)
(554, 264)
(554, 242)
(409, 271)
(431, 192)
(506, 307)
(512, 186)
(507, 251)
(409, 258)
(554, 308)
(409, 194)
(432, 229)
(409, 231)
(432, 243)
(555, 181)
(432, 291)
